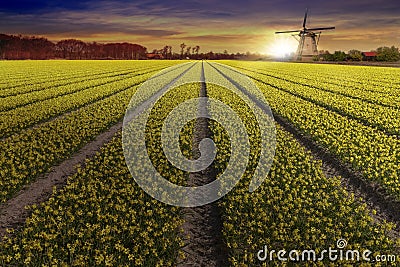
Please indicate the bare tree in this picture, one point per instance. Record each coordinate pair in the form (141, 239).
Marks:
(30, 47)
(170, 51)
(188, 51)
(72, 48)
(165, 51)
(182, 48)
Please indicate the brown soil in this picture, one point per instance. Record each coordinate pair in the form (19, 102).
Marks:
(202, 229)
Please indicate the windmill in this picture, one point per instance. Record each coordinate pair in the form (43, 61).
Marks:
(308, 40)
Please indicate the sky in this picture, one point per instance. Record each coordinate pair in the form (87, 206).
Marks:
(235, 25)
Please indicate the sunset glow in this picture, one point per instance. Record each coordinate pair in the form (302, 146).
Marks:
(235, 26)
(282, 47)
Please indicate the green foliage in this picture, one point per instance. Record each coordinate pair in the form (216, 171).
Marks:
(339, 56)
(328, 57)
(388, 54)
(355, 55)
(383, 54)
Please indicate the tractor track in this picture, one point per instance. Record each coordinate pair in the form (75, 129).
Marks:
(202, 229)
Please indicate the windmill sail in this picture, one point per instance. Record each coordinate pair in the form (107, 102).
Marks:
(321, 29)
(305, 19)
(287, 31)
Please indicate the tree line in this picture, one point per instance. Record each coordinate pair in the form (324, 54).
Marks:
(380, 54)
(16, 47)
(166, 52)
(31, 47)
(24, 47)
(192, 52)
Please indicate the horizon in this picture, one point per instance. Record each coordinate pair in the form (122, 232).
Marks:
(214, 26)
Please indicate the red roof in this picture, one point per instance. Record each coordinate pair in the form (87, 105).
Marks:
(369, 54)
(154, 56)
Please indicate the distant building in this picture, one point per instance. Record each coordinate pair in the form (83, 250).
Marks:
(369, 56)
(154, 56)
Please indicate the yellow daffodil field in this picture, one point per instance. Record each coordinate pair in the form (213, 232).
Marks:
(333, 124)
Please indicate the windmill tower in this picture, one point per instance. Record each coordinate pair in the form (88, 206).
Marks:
(308, 39)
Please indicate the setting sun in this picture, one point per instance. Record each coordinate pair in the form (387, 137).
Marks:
(282, 47)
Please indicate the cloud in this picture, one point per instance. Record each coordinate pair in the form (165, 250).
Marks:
(237, 25)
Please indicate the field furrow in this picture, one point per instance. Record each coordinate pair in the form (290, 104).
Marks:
(366, 150)
(16, 101)
(297, 205)
(386, 119)
(34, 151)
(57, 74)
(15, 120)
(113, 209)
(387, 96)
(371, 79)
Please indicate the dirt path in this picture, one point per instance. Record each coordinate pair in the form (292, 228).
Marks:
(13, 213)
(202, 234)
